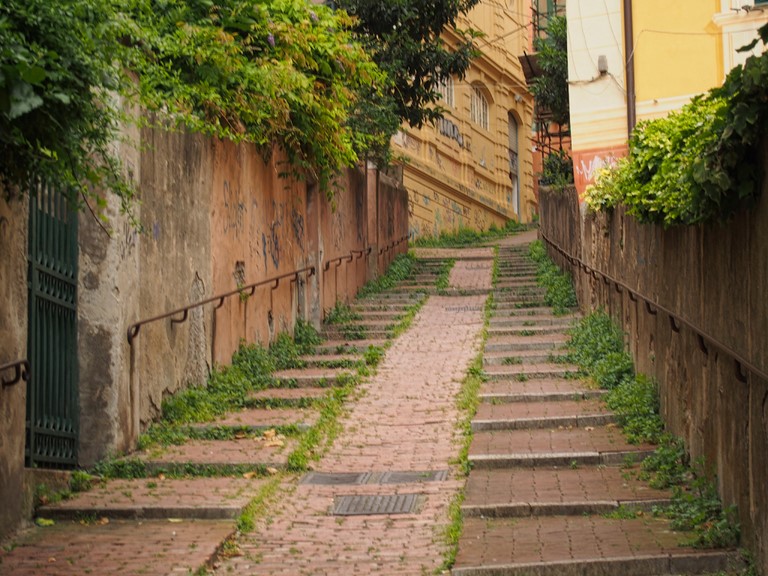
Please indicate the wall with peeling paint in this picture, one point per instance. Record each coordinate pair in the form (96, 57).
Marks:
(714, 277)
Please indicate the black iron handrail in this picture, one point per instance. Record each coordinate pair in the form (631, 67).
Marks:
(392, 245)
(652, 307)
(21, 371)
(247, 290)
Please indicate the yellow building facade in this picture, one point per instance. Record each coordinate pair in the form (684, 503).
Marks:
(473, 168)
(676, 51)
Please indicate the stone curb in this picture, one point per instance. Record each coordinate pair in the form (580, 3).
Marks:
(546, 422)
(491, 461)
(525, 509)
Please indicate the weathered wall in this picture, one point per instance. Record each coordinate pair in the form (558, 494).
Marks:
(714, 277)
(13, 347)
(214, 216)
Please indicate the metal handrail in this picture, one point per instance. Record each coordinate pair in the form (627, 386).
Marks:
(652, 307)
(247, 290)
(21, 372)
(392, 245)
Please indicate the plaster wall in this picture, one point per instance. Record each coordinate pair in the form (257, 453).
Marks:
(13, 346)
(714, 277)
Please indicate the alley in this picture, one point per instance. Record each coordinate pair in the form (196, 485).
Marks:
(545, 462)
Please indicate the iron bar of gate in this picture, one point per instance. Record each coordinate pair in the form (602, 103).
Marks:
(21, 371)
(653, 307)
(247, 290)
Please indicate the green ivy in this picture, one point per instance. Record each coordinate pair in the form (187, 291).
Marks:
(699, 164)
(60, 67)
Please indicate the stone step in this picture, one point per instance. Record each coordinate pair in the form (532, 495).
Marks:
(539, 415)
(499, 343)
(261, 419)
(156, 498)
(118, 547)
(354, 331)
(520, 357)
(561, 322)
(521, 292)
(349, 346)
(215, 457)
(554, 447)
(311, 377)
(509, 308)
(529, 370)
(547, 491)
(501, 330)
(330, 360)
(580, 545)
(383, 306)
(391, 316)
(281, 397)
(515, 281)
(535, 389)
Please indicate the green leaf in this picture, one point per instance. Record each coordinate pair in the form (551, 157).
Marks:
(23, 100)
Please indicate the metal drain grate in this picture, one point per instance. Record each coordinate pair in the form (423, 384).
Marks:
(370, 505)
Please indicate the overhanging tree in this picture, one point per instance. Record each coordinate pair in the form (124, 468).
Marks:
(404, 37)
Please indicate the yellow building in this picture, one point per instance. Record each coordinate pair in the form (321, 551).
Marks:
(635, 60)
(473, 168)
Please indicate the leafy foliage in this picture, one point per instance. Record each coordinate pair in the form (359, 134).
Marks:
(557, 170)
(284, 72)
(699, 164)
(560, 294)
(398, 270)
(404, 37)
(467, 236)
(551, 88)
(59, 70)
(635, 401)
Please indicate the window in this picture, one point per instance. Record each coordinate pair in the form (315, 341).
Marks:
(514, 162)
(478, 108)
(445, 89)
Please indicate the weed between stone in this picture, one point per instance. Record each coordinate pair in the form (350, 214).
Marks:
(597, 347)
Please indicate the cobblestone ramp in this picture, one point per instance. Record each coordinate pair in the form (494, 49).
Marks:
(398, 444)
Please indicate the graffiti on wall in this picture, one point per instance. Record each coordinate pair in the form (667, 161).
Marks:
(234, 210)
(270, 240)
(587, 168)
(128, 238)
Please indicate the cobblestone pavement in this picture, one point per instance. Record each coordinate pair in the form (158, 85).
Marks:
(404, 421)
(546, 460)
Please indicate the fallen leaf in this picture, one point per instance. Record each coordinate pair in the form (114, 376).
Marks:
(275, 443)
(249, 475)
(175, 520)
(161, 476)
(51, 559)
(272, 471)
(44, 522)
(103, 520)
(271, 433)
(589, 428)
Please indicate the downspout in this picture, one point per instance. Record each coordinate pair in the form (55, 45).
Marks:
(629, 67)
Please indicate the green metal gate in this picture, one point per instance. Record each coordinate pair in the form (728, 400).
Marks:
(52, 398)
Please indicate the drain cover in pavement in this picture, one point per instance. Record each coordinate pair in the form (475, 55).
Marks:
(368, 505)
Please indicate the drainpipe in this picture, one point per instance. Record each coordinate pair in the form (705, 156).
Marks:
(629, 67)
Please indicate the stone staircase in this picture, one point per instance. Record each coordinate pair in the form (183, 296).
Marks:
(548, 482)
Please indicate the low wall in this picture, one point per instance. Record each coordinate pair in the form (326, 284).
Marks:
(712, 280)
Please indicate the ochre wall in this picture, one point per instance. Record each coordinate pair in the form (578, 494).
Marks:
(716, 278)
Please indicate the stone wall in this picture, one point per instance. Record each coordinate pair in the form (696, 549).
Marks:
(214, 216)
(13, 347)
(714, 281)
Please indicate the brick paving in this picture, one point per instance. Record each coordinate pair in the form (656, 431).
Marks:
(533, 501)
(405, 420)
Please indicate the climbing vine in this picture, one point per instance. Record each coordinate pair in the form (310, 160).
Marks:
(283, 74)
(699, 164)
